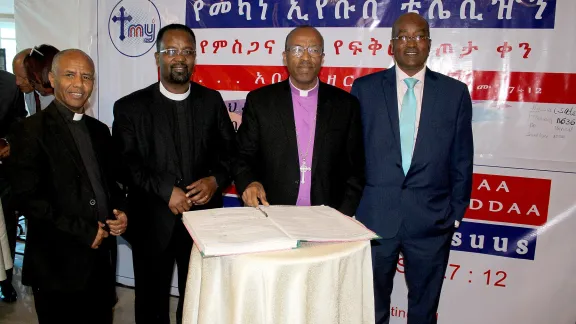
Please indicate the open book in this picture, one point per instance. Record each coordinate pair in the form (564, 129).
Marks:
(238, 230)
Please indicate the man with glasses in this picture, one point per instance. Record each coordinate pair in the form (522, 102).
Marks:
(418, 141)
(176, 140)
(300, 140)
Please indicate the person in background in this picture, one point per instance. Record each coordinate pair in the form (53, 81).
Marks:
(31, 97)
(12, 110)
(37, 65)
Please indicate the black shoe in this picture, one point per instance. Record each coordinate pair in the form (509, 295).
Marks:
(8, 294)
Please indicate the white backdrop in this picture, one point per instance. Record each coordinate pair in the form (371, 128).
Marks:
(512, 259)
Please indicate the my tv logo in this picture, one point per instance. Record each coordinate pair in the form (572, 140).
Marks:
(133, 26)
(520, 203)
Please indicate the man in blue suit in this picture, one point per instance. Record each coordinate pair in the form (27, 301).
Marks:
(419, 151)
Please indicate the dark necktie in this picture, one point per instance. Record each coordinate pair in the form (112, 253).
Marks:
(38, 104)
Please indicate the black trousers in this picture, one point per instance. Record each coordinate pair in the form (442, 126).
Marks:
(91, 305)
(153, 278)
(425, 261)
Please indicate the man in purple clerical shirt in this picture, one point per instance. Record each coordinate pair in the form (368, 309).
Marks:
(300, 141)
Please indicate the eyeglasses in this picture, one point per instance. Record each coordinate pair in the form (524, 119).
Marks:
(298, 51)
(33, 49)
(174, 52)
(405, 39)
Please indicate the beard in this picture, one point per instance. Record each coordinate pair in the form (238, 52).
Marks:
(179, 77)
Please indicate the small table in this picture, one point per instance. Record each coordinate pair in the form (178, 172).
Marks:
(317, 283)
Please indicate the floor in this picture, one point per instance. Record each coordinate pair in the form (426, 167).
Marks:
(22, 311)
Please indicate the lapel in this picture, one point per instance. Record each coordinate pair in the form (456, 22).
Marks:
(57, 125)
(286, 116)
(427, 113)
(323, 115)
(195, 103)
(391, 98)
(162, 126)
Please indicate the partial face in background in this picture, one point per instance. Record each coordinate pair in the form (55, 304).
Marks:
(20, 72)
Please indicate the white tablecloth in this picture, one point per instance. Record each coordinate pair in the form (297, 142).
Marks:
(318, 283)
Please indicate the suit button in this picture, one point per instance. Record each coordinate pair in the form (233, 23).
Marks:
(296, 182)
(92, 202)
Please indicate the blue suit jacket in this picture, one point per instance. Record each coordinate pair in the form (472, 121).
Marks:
(436, 190)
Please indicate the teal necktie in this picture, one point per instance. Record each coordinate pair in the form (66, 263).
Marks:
(408, 124)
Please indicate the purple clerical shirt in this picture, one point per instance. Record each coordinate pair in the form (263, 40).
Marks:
(305, 104)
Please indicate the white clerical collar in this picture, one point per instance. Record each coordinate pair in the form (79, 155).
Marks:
(174, 96)
(401, 75)
(303, 93)
(77, 117)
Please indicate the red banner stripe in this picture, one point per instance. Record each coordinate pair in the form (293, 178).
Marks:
(486, 85)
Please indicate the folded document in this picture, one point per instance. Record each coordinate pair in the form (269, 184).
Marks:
(238, 230)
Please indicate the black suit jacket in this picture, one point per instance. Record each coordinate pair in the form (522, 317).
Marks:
(52, 189)
(12, 107)
(141, 131)
(268, 152)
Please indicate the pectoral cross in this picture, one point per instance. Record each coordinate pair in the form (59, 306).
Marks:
(303, 169)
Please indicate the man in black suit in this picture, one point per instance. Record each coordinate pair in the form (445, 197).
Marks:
(176, 139)
(12, 109)
(300, 141)
(62, 172)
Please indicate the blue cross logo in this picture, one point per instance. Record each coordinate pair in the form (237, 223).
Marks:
(132, 26)
(122, 19)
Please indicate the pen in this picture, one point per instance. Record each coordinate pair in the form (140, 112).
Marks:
(263, 212)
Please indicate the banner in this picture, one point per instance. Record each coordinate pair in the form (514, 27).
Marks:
(512, 258)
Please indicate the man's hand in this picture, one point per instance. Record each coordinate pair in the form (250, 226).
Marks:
(201, 191)
(179, 203)
(253, 192)
(118, 226)
(4, 149)
(100, 236)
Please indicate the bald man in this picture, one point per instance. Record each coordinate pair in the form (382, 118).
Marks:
(22, 80)
(62, 171)
(18, 68)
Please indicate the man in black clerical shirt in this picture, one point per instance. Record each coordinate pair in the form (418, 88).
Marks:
(62, 170)
(176, 140)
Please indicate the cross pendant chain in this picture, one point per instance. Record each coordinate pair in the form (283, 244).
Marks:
(303, 169)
